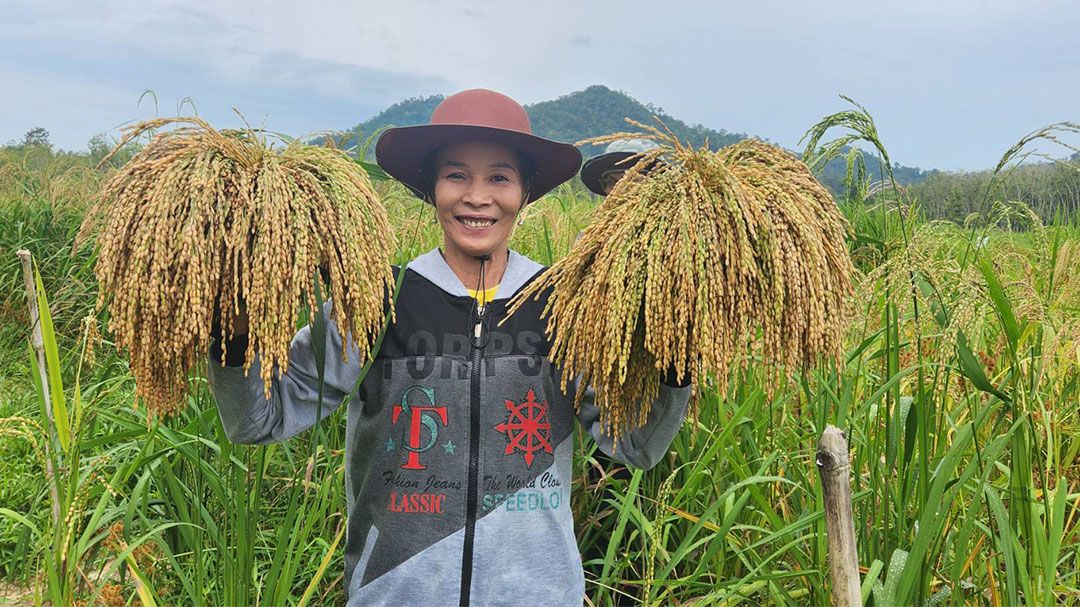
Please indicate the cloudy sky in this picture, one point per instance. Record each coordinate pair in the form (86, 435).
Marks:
(951, 83)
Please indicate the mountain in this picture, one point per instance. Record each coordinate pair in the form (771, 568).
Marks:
(599, 110)
(594, 111)
(412, 111)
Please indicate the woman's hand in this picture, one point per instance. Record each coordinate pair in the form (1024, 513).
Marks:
(239, 322)
(230, 350)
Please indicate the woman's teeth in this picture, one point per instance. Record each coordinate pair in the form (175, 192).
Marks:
(477, 223)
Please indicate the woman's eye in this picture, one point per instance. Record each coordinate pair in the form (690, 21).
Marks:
(500, 178)
(454, 176)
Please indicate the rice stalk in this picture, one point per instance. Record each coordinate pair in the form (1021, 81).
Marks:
(694, 258)
(201, 222)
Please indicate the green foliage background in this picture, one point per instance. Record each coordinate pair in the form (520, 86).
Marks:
(959, 392)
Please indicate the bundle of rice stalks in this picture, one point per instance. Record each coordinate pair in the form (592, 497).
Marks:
(202, 221)
(694, 258)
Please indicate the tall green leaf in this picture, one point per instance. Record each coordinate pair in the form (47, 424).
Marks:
(1001, 304)
(52, 362)
(973, 370)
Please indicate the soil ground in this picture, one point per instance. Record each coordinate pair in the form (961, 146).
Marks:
(15, 596)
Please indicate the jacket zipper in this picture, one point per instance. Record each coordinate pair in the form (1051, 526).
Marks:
(474, 457)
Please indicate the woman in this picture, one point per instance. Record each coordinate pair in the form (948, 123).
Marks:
(459, 440)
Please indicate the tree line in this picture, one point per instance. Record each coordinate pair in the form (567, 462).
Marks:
(1050, 189)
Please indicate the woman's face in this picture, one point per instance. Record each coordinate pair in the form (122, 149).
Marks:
(478, 193)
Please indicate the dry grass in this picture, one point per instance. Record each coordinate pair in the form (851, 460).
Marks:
(202, 221)
(696, 262)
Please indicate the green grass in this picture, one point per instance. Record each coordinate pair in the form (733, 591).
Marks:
(959, 393)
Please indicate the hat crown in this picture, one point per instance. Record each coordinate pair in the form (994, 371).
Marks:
(482, 107)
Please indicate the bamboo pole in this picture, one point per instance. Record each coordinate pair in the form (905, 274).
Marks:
(835, 471)
(38, 344)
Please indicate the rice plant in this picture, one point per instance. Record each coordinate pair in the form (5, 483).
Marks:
(958, 385)
(202, 222)
(697, 256)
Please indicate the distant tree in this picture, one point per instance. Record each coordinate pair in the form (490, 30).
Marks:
(99, 146)
(36, 137)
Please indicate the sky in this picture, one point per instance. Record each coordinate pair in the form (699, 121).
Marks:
(951, 84)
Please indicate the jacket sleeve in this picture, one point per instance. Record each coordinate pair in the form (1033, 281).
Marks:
(249, 417)
(646, 445)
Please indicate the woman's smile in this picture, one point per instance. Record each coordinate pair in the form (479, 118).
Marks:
(476, 223)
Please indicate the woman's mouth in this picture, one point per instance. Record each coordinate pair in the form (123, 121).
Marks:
(477, 223)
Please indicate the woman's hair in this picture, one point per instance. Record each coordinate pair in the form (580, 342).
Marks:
(524, 164)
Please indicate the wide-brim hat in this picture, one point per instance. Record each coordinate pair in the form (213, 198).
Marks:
(475, 115)
(616, 156)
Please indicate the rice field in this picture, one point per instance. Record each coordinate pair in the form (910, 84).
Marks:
(958, 387)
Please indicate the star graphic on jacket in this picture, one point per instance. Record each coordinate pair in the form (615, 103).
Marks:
(449, 446)
(389, 444)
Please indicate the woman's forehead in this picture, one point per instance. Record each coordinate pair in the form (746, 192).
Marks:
(477, 153)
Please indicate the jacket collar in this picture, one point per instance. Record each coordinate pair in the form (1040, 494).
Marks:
(432, 266)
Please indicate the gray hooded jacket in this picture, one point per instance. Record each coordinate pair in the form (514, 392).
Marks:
(459, 449)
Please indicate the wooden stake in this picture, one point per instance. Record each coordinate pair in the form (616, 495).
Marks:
(835, 470)
(38, 344)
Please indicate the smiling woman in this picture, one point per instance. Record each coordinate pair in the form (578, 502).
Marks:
(460, 440)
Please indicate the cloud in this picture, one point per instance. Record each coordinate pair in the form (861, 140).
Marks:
(952, 84)
(84, 73)
(288, 70)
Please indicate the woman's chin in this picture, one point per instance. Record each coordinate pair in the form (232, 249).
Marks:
(477, 244)
(473, 249)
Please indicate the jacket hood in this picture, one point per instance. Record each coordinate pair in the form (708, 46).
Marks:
(432, 266)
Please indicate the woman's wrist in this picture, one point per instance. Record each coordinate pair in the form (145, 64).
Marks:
(671, 378)
(235, 350)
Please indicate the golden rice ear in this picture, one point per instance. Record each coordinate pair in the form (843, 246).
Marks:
(694, 268)
(202, 219)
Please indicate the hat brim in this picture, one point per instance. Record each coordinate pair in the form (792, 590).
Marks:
(401, 152)
(596, 166)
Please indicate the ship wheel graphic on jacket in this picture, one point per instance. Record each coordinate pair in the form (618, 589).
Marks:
(526, 427)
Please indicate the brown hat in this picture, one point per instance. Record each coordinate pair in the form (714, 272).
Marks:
(475, 115)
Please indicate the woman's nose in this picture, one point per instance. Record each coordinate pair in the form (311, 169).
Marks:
(476, 193)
